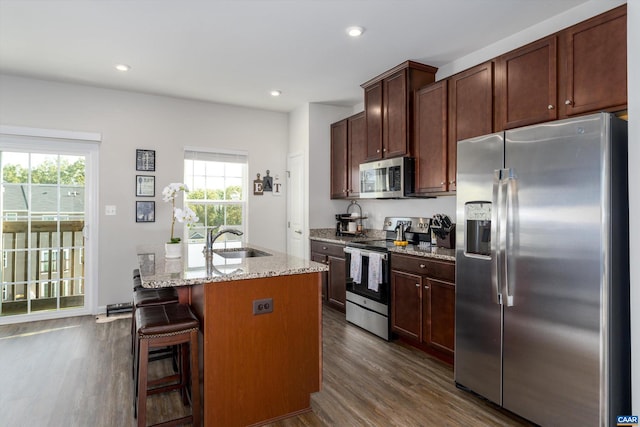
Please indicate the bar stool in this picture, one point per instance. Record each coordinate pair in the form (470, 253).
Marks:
(143, 297)
(161, 326)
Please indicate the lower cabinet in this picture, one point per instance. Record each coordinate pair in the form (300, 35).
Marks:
(334, 288)
(423, 302)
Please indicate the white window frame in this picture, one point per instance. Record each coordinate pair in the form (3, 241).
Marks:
(230, 156)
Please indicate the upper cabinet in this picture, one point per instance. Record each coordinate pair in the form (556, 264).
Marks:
(526, 90)
(348, 150)
(593, 66)
(388, 103)
(339, 170)
(470, 111)
(357, 151)
(431, 139)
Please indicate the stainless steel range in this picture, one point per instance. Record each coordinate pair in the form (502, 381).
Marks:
(368, 266)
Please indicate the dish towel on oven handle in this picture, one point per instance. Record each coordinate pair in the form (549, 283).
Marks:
(355, 270)
(375, 271)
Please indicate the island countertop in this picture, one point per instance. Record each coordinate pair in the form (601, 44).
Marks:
(195, 267)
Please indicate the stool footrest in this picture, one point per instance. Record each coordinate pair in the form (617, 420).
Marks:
(176, 422)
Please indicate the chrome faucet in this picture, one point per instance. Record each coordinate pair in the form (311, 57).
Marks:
(211, 238)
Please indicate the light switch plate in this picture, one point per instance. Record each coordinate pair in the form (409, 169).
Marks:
(110, 210)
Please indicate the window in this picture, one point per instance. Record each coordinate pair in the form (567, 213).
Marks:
(218, 193)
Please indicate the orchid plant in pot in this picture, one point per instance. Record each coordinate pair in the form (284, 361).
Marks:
(173, 249)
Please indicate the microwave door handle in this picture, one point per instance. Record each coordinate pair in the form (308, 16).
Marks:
(388, 176)
(495, 237)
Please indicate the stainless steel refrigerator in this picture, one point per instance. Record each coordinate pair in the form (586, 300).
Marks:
(542, 271)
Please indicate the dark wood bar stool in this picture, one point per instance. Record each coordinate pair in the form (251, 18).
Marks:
(161, 326)
(143, 297)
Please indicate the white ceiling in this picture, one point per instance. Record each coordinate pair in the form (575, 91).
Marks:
(235, 52)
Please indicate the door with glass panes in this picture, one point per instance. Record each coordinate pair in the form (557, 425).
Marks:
(43, 217)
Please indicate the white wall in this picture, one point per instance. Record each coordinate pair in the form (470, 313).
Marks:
(128, 121)
(633, 78)
(321, 208)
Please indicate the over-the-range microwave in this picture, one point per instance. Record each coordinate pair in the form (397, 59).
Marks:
(387, 179)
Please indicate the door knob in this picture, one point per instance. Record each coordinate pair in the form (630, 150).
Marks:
(299, 231)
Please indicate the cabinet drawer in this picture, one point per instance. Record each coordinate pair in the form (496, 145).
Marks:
(327, 248)
(442, 270)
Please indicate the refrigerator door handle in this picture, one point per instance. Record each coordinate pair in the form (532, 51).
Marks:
(495, 237)
(509, 215)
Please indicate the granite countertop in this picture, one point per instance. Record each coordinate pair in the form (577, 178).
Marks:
(328, 235)
(195, 268)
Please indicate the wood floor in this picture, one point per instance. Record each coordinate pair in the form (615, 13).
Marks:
(76, 372)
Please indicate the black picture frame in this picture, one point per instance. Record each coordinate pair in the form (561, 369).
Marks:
(146, 160)
(145, 211)
(145, 186)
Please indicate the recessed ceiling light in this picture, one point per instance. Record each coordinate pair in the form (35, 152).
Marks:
(355, 31)
(276, 92)
(122, 67)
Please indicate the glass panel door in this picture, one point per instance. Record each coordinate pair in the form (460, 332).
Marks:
(43, 216)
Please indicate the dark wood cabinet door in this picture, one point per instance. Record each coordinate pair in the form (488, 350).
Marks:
(321, 258)
(594, 70)
(339, 137)
(431, 138)
(439, 321)
(470, 110)
(526, 85)
(336, 286)
(357, 148)
(373, 114)
(395, 138)
(406, 306)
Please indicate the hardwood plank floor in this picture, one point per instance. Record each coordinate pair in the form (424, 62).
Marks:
(76, 372)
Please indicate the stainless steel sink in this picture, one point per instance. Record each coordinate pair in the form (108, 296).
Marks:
(240, 253)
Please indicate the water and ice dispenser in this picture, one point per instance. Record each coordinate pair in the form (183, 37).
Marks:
(477, 228)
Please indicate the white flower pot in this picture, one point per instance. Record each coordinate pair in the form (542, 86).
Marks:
(173, 250)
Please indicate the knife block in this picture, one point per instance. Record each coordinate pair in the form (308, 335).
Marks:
(449, 242)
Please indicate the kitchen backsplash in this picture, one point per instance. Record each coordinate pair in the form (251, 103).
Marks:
(376, 210)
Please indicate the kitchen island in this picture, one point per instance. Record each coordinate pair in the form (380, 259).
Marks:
(260, 317)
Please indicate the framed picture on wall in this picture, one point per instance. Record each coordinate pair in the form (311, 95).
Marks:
(145, 211)
(146, 160)
(145, 186)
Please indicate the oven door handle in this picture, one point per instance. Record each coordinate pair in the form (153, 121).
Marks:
(365, 252)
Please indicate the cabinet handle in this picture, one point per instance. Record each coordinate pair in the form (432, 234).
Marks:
(422, 266)
(384, 149)
(324, 248)
(442, 183)
(426, 287)
(377, 151)
(417, 285)
(452, 182)
(549, 107)
(567, 102)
